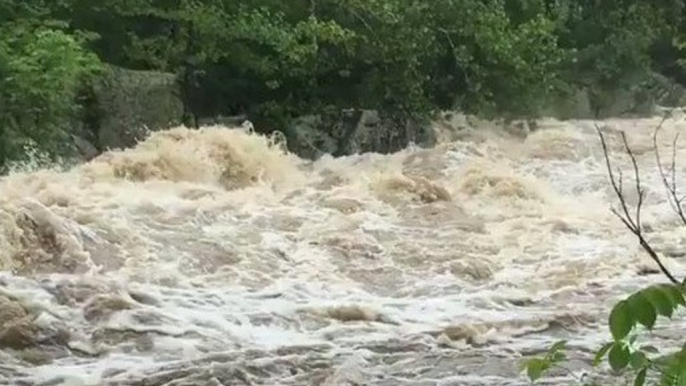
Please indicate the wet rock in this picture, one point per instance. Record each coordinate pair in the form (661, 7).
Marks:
(353, 314)
(353, 248)
(343, 205)
(86, 150)
(102, 306)
(126, 340)
(520, 128)
(35, 356)
(521, 302)
(10, 311)
(132, 102)
(356, 132)
(473, 270)
(330, 181)
(74, 293)
(19, 335)
(429, 192)
(30, 332)
(420, 189)
(308, 140)
(143, 298)
(48, 243)
(467, 333)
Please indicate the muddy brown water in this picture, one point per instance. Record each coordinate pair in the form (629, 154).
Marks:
(212, 257)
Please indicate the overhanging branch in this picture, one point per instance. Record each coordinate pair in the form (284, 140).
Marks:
(632, 223)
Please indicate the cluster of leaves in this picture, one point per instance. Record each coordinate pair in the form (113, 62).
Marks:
(42, 70)
(267, 57)
(623, 353)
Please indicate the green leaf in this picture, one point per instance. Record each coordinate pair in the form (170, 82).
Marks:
(643, 310)
(535, 368)
(558, 346)
(621, 320)
(675, 294)
(640, 378)
(558, 357)
(638, 360)
(650, 349)
(619, 356)
(601, 353)
(660, 300)
(675, 373)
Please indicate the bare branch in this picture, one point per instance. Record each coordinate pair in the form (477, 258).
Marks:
(615, 185)
(628, 225)
(673, 170)
(637, 176)
(633, 224)
(672, 190)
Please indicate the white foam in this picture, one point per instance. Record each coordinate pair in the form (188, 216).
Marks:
(257, 268)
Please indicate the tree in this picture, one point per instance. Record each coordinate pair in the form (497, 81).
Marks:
(42, 70)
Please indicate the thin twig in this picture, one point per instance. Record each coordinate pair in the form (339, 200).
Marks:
(676, 139)
(617, 188)
(637, 175)
(673, 197)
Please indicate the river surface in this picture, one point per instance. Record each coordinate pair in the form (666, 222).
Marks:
(212, 257)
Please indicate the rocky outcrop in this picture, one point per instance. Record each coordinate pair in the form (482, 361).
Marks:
(131, 103)
(355, 132)
(637, 95)
(125, 105)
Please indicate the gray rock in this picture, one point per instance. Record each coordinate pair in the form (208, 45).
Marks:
(86, 150)
(131, 103)
(356, 132)
(10, 311)
(307, 137)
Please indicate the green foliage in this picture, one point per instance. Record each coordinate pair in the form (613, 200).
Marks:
(641, 309)
(537, 367)
(391, 55)
(275, 60)
(41, 72)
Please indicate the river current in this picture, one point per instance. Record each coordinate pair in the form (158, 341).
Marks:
(213, 257)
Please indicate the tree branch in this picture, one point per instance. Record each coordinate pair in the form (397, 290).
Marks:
(633, 224)
(672, 190)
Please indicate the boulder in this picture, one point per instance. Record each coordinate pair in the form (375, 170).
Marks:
(10, 311)
(307, 137)
(355, 132)
(636, 95)
(85, 149)
(131, 103)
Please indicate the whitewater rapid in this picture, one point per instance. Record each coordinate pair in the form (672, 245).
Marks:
(214, 257)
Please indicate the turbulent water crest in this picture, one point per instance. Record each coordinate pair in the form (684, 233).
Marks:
(213, 257)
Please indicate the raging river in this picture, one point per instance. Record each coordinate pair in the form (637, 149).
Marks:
(212, 257)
